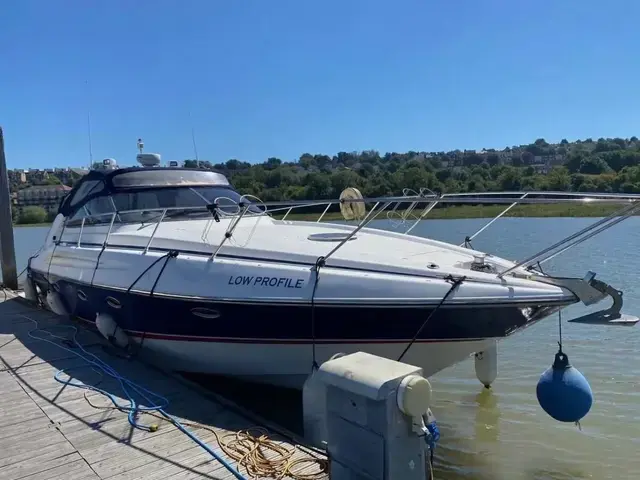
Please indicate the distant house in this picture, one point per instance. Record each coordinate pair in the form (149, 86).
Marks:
(17, 176)
(555, 159)
(45, 196)
(541, 168)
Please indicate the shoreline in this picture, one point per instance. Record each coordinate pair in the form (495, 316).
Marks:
(23, 225)
(488, 211)
(463, 212)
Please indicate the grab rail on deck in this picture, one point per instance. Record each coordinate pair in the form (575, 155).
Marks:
(430, 198)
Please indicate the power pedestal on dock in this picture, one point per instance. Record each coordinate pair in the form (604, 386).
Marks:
(374, 418)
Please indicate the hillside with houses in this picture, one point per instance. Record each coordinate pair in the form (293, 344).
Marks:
(602, 165)
(36, 193)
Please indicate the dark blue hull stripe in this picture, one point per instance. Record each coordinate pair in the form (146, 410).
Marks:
(192, 320)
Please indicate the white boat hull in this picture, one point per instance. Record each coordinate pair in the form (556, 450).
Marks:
(210, 282)
(289, 365)
(258, 314)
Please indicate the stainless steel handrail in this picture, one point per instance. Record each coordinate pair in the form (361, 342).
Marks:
(422, 216)
(487, 225)
(619, 215)
(431, 200)
(81, 230)
(445, 198)
(368, 218)
(323, 213)
(155, 229)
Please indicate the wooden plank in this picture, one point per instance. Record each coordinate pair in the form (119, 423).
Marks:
(41, 451)
(20, 356)
(166, 454)
(211, 470)
(75, 470)
(31, 441)
(141, 442)
(41, 467)
(17, 409)
(189, 459)
(104, 421)
(49, 431)
(23, 426)
(142, 454)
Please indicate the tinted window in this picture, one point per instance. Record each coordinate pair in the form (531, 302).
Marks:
(95, 211)
(87, 188)
(148, 205)
(166, 178)
(161, 198)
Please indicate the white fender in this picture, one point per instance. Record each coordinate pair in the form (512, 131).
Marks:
(55, 303)
(30, 292)
(487, 364)
(110, 330)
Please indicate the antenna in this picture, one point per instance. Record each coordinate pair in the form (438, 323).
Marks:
(193, 138)
(90, 143)
(86, 82)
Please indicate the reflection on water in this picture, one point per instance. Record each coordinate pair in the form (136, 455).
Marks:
(487, 417)
(502, 433)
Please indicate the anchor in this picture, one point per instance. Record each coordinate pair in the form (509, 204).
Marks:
(590, 291)
(611, 315)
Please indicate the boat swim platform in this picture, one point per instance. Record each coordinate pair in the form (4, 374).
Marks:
(49, 430)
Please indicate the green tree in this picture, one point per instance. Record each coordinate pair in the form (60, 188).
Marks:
(318, 185)
(593, 166)
(527, 157)
(53, 180)
(493, 159)
(608, 165)
(574, 161)
(272, 163)
(32, 214)
(476, 184)
(345, 178)
(559, 179)
(510, 179)
(191, 164)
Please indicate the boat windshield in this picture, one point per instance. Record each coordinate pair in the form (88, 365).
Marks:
(148, 204)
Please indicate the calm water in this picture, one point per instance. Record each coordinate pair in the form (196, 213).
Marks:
(503, 434)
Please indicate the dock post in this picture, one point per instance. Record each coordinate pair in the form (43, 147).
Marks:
(378, 422)
(7, 247)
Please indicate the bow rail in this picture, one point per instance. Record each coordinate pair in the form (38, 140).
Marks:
(392, 205)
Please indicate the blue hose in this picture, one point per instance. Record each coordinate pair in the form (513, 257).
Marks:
(127, 386)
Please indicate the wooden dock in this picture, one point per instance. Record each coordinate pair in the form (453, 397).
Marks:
(51, 431)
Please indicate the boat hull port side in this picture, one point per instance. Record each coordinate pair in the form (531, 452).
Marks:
(261, 326)
(179, 262)
(246, 346)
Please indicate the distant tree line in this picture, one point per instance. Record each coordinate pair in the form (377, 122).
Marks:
(605, 165)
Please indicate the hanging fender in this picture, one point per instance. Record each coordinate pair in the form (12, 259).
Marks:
(110, 330)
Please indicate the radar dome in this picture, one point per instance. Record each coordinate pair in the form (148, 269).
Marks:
(109, 164)
(148, 159)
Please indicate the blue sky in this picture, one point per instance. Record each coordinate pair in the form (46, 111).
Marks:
(279, 78)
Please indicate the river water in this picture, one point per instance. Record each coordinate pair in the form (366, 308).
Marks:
(502, 433)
